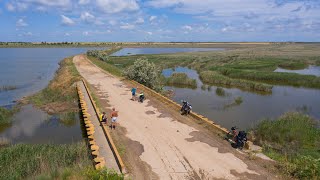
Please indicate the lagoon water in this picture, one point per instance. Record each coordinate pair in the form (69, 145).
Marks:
(135, 51)
(33, 126)
(311, 70)
(30, 70)
(222, 110)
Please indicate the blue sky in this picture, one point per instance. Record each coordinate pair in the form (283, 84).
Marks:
(159, 20)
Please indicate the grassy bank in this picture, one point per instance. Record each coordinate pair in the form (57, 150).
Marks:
(294, 141)
(215, 78)
(44, 161)
(60, 95)
(180, 80)
(5, 115)
(52, 161)
(105, 66)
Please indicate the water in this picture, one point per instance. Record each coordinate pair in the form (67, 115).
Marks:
(311, 70)
(33, 126)
(135, 51)
(223, 110)
(29, 69)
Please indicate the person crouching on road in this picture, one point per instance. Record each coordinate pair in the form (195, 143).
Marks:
(104, 118)
(114, 117)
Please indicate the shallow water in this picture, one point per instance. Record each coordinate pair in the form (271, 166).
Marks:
(135, 51)
(223, 110)
(311, 70)
(33, 126)
(29, 69)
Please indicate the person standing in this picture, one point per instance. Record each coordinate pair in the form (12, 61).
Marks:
(114, 117)
(133, 91)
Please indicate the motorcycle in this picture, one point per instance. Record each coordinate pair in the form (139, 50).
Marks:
(239, 138)
(186, 108)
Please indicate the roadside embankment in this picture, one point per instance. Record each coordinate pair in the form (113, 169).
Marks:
(60, 95)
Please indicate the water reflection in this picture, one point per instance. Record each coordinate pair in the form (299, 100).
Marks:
(31, 125)
(254, 106)
(311, 70)
(135, 51)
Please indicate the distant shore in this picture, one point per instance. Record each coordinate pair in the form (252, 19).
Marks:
(134, 44)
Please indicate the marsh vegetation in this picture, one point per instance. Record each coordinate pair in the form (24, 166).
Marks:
(294, 140)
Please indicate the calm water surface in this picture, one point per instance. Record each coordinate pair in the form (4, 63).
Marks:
(135, 51)
(223, 110)
(30, 70)
(34, 126)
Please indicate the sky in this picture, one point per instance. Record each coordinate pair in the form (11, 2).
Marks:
(160, 20)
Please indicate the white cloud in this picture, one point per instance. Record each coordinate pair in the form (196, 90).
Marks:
(227, 29)
(152, 18)
(139, 21)
(83, 2)
(163, 3)
(21, 23)
(87, 17)
(56, 3)
(150, 33)
(67, 34)
(116, 6)
(187, 27)
(127, 26)
(26, 34)
(10, 7)
(113, 22)
(66, 21)
(85, 33)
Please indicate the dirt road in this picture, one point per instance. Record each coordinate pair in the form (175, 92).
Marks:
(160, 143)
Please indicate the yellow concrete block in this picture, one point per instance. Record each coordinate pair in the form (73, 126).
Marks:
(87, 122)
(94, 147)
(90, 129)
(86, 114)
(92, 142)
(100, 165)
(89, 125)
(90, 132)
(91, 137)
(99, 159)
(95, 153)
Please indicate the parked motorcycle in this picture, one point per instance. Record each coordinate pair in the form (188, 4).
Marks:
(186, 108)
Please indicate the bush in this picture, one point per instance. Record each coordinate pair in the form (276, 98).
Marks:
(145, 73)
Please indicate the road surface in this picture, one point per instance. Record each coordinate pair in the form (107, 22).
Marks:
(169, 148)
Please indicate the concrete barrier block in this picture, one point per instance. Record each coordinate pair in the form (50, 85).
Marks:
(90, 132)
(90, 128)
(95, 153)
(89, 125)
(94, 147)
(92, 142)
